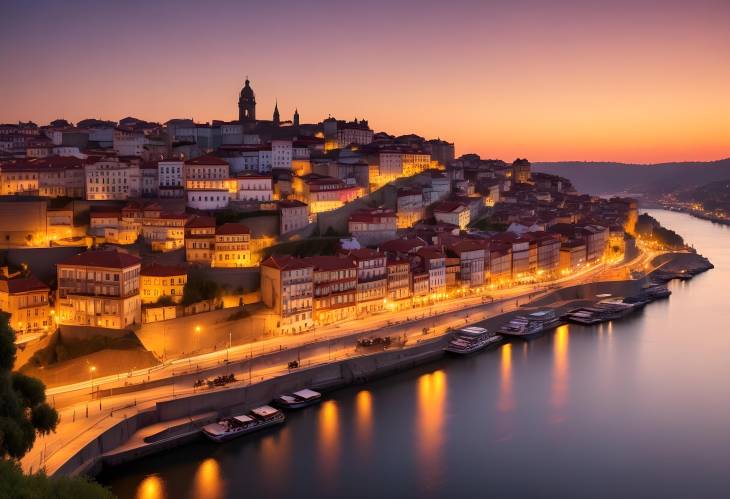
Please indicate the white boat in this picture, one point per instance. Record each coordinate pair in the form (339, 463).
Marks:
(297, 400)
(471, 339)
(236, 426)
(530, 325)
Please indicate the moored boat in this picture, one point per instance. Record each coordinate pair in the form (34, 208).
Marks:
(298, 400)
(532, 324)
(471, 339)
(236, 426)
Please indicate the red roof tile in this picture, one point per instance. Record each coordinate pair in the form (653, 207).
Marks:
(103, 258)
(22, 285)
(157, 270)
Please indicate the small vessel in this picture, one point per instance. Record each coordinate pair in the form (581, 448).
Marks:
(236, 426)
(531, 325)
(298, 400)
(471, 339)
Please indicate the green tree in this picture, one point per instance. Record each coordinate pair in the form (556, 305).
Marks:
(24, 413)
(23, 408)
(14, 484)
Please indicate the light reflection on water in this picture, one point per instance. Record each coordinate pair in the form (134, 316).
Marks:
(631, 408)
(208, 480)
(559, 391)
(430, 417)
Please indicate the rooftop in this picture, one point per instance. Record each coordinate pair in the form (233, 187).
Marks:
(103, 258)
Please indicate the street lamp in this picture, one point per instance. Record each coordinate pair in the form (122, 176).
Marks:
(91, 375)
(197, 336)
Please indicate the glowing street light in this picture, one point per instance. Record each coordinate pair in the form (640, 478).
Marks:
(91, 375)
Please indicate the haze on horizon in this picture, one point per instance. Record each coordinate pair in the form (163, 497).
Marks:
(635, 81)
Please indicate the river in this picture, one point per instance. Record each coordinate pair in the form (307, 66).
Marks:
(636, 408)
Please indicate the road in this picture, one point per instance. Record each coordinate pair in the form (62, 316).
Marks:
(84, 416)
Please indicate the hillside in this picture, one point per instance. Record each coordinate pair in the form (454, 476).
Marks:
(712, 196)
(611, 178)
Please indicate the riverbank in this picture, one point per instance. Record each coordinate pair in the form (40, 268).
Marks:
(176, 422)
(689, 211)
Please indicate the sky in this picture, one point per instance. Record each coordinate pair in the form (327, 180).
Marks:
(635, 81)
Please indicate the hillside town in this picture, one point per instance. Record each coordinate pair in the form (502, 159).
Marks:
(114, 225)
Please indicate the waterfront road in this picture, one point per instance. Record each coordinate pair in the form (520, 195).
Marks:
(90, 407)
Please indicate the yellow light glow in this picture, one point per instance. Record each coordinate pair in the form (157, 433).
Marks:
(152, 487)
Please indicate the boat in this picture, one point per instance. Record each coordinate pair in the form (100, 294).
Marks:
(236, 426)
(531, 324)
(471, 339)
(298, 400)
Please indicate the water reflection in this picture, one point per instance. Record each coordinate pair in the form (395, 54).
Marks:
(430, 422)
(152, 487)
(329, 434)
(559, 389)
(506, 401)
(208, 483)
(275, 454)
(364, 420)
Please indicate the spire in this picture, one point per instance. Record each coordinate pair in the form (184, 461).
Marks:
(276, 119)
(296, 117)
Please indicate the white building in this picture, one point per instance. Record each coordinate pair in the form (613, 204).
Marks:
(281, 154)
(128, 142)
(170, 174)
(208, 199)
(251, 187)
(112, 179)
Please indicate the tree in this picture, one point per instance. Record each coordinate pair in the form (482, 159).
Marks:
(24, 413)
(13, 483)
(23, 408)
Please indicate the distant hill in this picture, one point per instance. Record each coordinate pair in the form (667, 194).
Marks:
(712, 196)
(611, 178)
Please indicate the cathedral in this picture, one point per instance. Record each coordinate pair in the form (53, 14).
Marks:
(247, 110)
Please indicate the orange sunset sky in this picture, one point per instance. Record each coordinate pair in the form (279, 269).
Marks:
(635, 81)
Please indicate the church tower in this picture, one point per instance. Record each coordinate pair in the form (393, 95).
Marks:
(247, 104)
(296, 118)
(276, 120)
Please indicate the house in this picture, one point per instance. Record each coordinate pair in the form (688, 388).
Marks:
(26, 300)
(287, 287)
(158, 281)
(99, 288)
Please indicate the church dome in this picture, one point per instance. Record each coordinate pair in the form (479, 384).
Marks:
(247, 91)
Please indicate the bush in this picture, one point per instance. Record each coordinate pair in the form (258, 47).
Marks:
(13, 483)
(198, 288)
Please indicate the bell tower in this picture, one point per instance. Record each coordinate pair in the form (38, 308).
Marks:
(247, 104)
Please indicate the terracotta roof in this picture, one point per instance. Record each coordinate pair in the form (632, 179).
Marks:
(285, 262)
(447, 206)
(371, 216)
(231, 228)
(103, 258)
(291, 203)
(200, 222)
(429, 253)
(157, 270)
(364, 254)
(22, 285)
(403, 245)
(105, 214)
(207, 160)
(329, 262)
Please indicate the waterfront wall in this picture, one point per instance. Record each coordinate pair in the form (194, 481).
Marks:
(203, 407)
